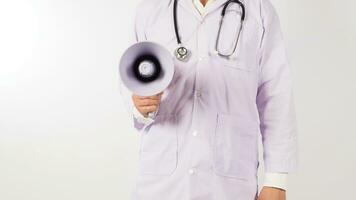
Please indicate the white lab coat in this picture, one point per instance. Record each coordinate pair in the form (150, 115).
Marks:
(203, 143)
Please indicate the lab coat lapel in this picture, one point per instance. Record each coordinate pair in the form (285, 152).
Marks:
(188, 20)
(189, 6)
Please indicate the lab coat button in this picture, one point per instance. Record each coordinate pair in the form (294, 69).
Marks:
(198, 94)
(191, 171)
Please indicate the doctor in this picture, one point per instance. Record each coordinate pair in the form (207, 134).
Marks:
(202, 143)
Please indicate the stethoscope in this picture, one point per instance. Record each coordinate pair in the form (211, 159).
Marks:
(183, 54)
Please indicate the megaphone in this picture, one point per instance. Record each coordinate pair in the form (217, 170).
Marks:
(146, 68)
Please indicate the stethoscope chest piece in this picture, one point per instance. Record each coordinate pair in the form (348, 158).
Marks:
(182, 54)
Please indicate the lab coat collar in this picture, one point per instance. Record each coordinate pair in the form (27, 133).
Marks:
(189, 6)
(214, 6)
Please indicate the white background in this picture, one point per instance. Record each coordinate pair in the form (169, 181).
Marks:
(64, 132)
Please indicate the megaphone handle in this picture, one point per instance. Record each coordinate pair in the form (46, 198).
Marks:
(152, 115)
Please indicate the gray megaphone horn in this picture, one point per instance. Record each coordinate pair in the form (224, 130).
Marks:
(146, 68)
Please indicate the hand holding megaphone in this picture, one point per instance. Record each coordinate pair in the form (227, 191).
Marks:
(146, 105)
(146, 68)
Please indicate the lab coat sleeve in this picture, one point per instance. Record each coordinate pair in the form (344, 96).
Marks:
(276, 180)
(275, 98)
(139, 120)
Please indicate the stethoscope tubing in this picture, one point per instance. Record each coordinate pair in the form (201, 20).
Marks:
(175, 9)
(223, 12)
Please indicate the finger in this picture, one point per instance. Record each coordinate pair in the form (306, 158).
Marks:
(147, 102)
(154, 97)
(148, 109)
(158, 96)
(150, 97)
(136, 97)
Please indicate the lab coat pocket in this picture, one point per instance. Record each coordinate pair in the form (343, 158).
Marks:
(233, 63)
(235, 147)
(158, 154)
